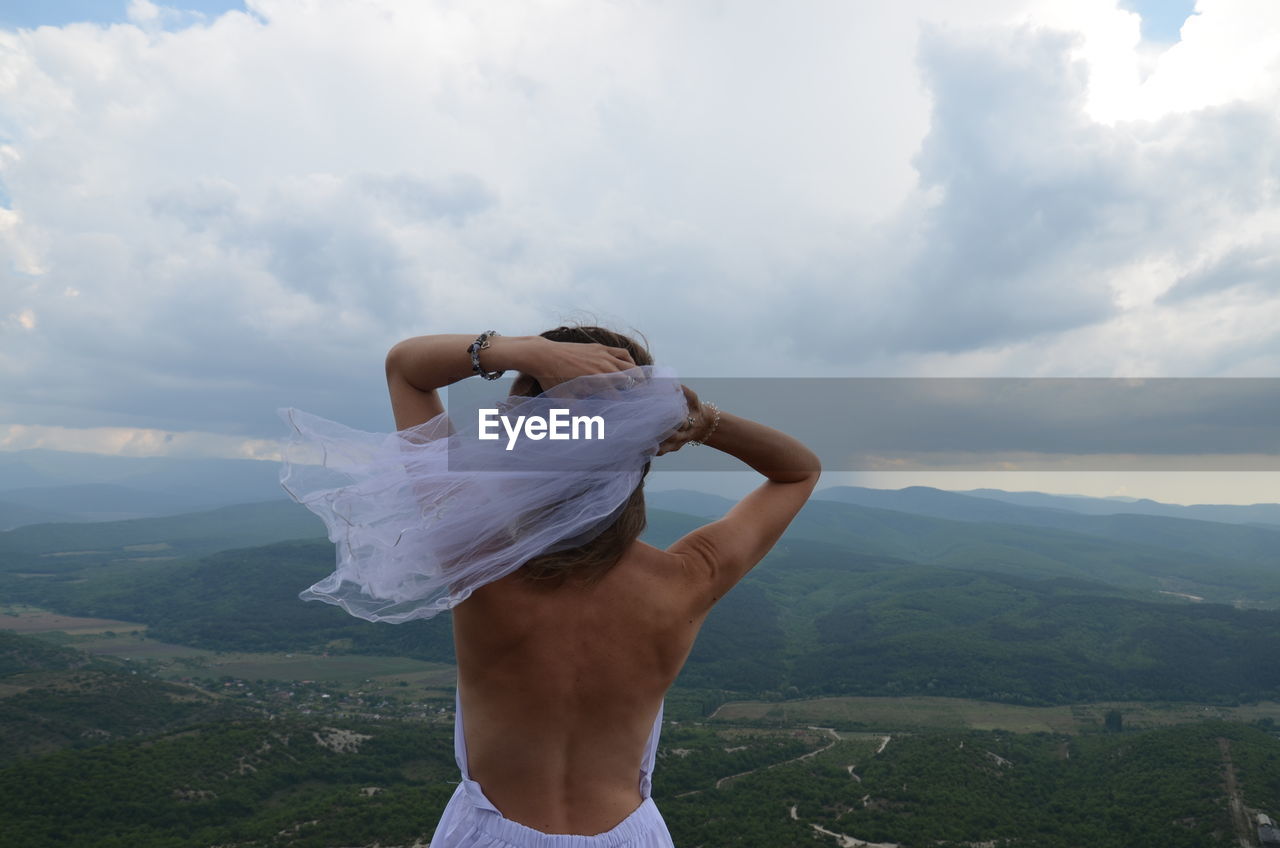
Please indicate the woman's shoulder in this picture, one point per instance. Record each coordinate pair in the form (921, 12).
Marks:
(645, 581)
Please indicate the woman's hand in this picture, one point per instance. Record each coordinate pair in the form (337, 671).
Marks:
(696, 425)
(551, 363)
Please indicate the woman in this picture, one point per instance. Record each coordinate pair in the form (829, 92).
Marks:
(563, 662)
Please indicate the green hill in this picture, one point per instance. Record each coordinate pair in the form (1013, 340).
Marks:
(20, 654)
(70, 547)
(52, 698)
(1252, 577)
(245, 599)
(999, 637)
(1189, 533)
(812, 619)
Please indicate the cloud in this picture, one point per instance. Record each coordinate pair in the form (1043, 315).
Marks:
(127, 441)
(1036, 225)
(1024, 183)
(212, 216)
(1253, 266)
(151, 16)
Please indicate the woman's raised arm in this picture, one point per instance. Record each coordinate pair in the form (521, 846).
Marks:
(727, 549)
(418, 366)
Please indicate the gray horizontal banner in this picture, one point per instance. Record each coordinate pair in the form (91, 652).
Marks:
(985, 424)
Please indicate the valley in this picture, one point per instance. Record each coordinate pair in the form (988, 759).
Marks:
(1011, 685)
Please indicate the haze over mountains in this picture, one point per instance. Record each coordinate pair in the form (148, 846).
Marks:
(968, 505)
(39, 485)
(44, 485)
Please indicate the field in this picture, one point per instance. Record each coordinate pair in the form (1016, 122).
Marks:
(957, 713)
(28, 621)
(346, 668)
(409, 678)
(128, 640)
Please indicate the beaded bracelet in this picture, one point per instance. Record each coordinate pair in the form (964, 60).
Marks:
(474, 349)
(715, 422)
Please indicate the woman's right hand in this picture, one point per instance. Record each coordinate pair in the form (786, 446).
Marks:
(551, 362)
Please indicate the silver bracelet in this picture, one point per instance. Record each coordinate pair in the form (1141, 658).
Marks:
(482, 342)
(715, 422)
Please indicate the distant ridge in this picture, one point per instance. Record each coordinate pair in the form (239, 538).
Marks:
(40, 547)
(984, 504)
(924, 500)
(39, 486)
(17, 515)
(690, 502)
(1180, 536)
(107, 502)
(1262, 513)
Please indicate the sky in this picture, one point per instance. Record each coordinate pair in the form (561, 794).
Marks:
(209, 210)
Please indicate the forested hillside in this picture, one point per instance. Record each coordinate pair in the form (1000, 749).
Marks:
(855, 600)
(53, 698)
(816, 617)
(322, 784)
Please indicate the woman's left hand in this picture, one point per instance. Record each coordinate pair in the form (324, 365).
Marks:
(695, 427)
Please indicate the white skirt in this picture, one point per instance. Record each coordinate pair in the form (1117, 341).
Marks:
(472, 821)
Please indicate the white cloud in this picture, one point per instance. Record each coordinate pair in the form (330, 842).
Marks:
(250, 209)
(1045, 242)
(130, 441)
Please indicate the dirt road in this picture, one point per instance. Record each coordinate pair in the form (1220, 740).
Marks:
(1240, 821)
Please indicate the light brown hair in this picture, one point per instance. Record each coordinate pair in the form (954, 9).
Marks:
(590, 562)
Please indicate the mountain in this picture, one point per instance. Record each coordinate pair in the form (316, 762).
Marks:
(1043, 552)
(69, 548)
(59, 485)
(853, 600)
(88, 502)
(924, 500)
(17, 515)
(689, 502)
(938, 596)
(1239, 535)
(243, 599)
(1232, 545)
(1266, 513)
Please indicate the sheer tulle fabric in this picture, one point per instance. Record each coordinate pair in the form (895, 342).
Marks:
(424, 516)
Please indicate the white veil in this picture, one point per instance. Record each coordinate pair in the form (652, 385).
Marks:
(424, 516)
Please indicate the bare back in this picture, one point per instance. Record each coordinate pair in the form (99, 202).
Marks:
(560, 686)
